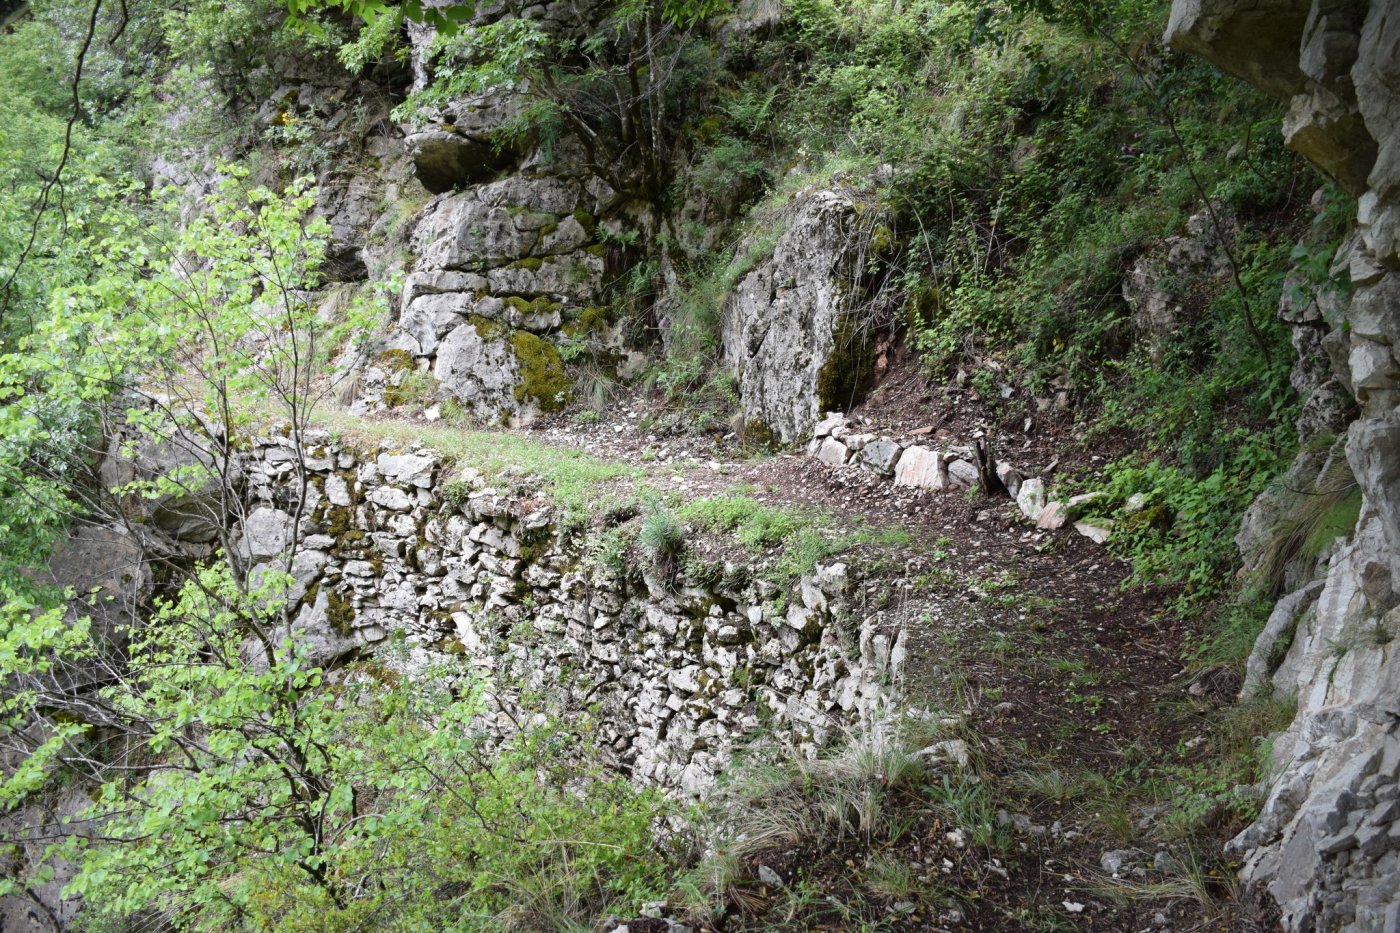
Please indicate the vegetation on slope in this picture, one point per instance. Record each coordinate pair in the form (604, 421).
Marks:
(1031, 166)
(1026, 165)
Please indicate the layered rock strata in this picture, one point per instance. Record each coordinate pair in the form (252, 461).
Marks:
(1327, 844)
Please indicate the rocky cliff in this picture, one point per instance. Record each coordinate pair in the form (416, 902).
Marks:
(1327, 845)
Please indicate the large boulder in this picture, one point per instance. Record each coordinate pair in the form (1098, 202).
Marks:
(476, 367)
(191, 507)
(499, 375)
(793, 329)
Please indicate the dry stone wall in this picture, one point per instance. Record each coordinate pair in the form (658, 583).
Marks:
(684, 666)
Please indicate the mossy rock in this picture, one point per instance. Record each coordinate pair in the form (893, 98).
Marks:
(488, 329)
(709, 129)
(417, 388)
(531, 263)
(395, 360)
(883, 241)
(758, 435)
(848, 369)
(540, 305)
(587, 222)
(542, 376)
(339, 520)
(591, 321)
(340, 614)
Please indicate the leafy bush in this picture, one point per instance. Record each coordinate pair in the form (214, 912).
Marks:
(271, 795)
(1184, 530)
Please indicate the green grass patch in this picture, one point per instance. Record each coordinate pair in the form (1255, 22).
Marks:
(805, 536)
(579, 483)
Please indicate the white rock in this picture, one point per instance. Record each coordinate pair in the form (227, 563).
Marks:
(831, 422)
(770, 877)
(1010, 478)
(952, 750)
(1094, 533)
(1031, 497)
(833, 452)
(337, 491)
(407, 469)
(1053, 516)
(265, 533)
(392, 498)
(921, 468)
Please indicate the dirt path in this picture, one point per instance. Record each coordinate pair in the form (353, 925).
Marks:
(976, 576)
(1064, 672)
(1071, 682)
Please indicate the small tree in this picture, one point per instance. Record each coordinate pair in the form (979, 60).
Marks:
(612, 81)
(183, 344)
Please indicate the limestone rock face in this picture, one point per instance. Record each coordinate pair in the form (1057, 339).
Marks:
(107, 569)
(504, 271)
(458, 149)
(1327, 843)
(517, 236)
(479, 371)
(1256, 40)
(193, 512)
(791, 328)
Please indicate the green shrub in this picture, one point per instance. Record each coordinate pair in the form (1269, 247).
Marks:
(1184, 532)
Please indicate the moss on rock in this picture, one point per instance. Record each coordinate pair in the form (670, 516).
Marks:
(848, 368)
(540, 305)
(340, 614)
(542, 376)
(591, 321)
(488, 329)
(587, 222)
(395, 360)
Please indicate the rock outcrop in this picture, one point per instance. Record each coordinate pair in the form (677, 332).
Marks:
(797, 328)
(505, 273)
(1327, 844)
